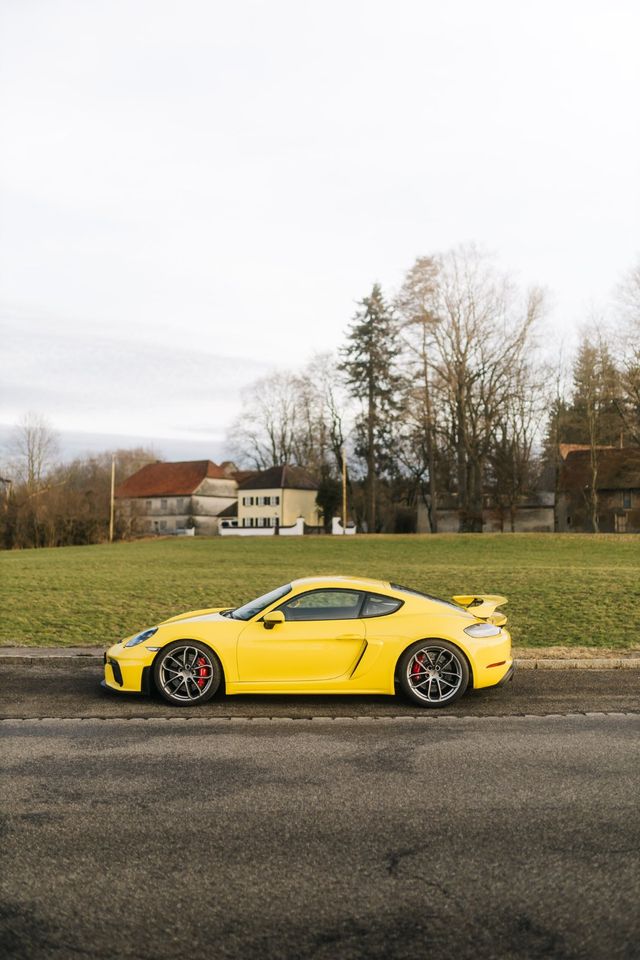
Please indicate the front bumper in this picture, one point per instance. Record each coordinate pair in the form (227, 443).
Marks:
(126, 673)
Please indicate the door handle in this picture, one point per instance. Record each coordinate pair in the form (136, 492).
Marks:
(349, 636)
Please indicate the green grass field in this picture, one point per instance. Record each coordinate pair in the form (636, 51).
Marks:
(563, 590)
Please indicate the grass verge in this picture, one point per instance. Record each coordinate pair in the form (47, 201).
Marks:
(565, 591)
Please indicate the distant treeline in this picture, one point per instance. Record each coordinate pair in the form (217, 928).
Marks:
(448, 392)
(452, 392)
(59, 505)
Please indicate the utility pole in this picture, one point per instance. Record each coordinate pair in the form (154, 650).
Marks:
(113, 491)
(344, 490)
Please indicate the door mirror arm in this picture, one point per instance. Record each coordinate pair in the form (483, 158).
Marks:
(270, 620)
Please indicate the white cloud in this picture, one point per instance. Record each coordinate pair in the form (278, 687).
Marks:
(203, 180)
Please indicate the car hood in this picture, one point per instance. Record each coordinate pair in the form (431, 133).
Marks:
(211, 613)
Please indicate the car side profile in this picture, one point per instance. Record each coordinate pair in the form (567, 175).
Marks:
(331, 635)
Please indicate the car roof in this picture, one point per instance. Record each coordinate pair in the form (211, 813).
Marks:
(353, 583)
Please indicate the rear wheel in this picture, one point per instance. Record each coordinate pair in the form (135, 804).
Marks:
(187, 672)
(433, 673)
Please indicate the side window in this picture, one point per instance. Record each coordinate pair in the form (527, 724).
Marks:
(376, 605)
(324, 605)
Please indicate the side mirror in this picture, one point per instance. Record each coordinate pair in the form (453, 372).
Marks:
(271, 619)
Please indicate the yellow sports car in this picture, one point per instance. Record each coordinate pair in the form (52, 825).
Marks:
(321, 635)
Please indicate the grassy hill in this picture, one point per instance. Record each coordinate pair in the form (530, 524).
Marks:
(563, 589)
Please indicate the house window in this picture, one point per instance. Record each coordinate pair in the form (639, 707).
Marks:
(626, 499)
(276, 501)
(163, 504)
(148, 504)
(163, 524)
(179, 503)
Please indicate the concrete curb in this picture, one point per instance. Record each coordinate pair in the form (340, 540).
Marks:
(51, 656)
(88, 656)
(592, 663)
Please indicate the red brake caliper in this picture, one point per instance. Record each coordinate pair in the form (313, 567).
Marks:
(417, 664)
(202, 672)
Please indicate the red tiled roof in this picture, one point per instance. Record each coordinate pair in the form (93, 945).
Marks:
(280, 478)
(170, 479)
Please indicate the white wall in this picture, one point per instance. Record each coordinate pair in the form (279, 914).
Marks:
(338, 530)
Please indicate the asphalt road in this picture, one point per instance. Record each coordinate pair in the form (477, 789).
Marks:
(505, 837)
(74, 691)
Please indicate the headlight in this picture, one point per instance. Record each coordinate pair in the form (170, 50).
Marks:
(480, 630)
(141, 637)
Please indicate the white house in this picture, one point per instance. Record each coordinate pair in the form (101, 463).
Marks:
(278, 497)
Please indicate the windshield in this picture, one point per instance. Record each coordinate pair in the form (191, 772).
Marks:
(428, 596)
(256, 606)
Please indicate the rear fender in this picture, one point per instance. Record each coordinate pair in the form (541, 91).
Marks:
(428, 640)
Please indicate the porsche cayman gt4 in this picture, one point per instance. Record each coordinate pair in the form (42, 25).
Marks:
(321, 635)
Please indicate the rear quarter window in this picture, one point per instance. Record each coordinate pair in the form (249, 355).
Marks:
(428, 596)
(376, 605)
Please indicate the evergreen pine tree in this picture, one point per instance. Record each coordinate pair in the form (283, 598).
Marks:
(369, 366)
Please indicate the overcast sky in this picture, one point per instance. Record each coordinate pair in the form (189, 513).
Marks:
(192, 192)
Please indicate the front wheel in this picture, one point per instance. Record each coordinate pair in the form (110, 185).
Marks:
(433, 673)
(187, 672)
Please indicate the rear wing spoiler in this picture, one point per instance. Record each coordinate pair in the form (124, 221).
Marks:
(483, 606)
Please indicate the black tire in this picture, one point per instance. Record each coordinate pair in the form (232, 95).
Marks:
(433, 673)
(187, 673)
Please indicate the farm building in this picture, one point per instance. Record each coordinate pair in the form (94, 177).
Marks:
(533, 514)
(617, 484)
(169, 497)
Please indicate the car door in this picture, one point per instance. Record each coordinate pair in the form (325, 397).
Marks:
(321, 638)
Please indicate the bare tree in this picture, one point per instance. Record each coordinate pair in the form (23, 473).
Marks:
(417, 449)
(264, 433)
(292, 418)
(470, 336)
(628, 348)
(629, 294)
(517, 428)
(32, 449)
(71, 505)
